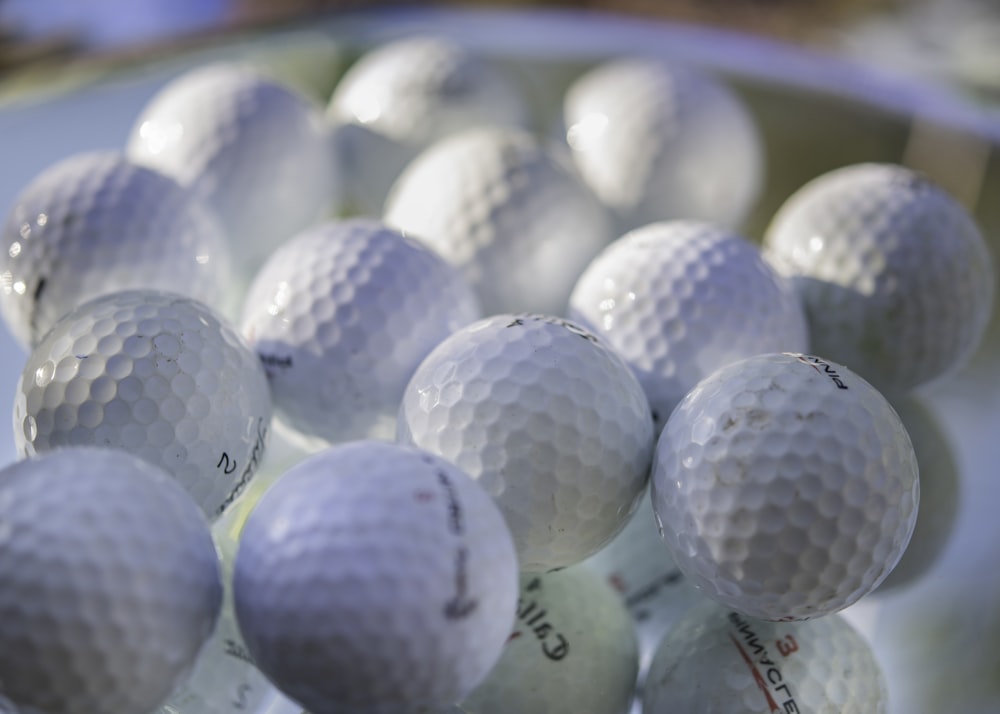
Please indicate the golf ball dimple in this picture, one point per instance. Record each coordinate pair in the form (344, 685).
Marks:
(500, 206)
(723, 662)
(401, 97)
(95, 223)
(681, 299)
(657, 141)
(785, 486)
(111, 583)
(341, 316)
(573, 649)
(158, 375)
(375, 577)
(895, 278)
(551, 422)
(257, 152)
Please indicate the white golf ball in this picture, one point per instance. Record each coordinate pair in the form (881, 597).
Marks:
(375, 577)
(896, 280)
(158, 375)
(401, 97)
(500, 206)
(785, 486)
(341, 316)
(95, 223)
(256, 151)
(657, 141)
(573, 649)
(637, 566)
(681, 299)
(110, 583)
(551, 422)
(721, 662)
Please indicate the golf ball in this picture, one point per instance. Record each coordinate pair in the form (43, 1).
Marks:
(257, 152)
(503, 208)
(681, 299)
(637, 566)
(573, 649)
(341, 316)
(158, 375)
(896, 280)
(785, 486)
(717, 661)
(550, 420)
(401, 97)
(657, 141)
(375, 577)
(95, 223)
(111, 583)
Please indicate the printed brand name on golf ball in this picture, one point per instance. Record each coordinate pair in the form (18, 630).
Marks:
(821, 366)
(555, 646)
(764, 665)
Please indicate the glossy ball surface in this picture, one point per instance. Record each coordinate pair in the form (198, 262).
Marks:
(785, 486)
(401, 97)
(502, 207)
(375, 577)
(895, 278)
(341, 316)
(551, 422)
(573, 649)
(155, 374)
(95, 223)
(721, 662)
(681, 299)
(257, 152)
(110, 579)
(657, 141)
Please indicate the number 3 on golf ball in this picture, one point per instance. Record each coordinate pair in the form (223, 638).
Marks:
(785, 486)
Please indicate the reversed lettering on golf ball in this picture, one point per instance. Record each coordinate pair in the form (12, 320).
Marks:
(721, 661)
(533, 616)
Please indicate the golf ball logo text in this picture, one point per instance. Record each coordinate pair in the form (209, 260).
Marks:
(461, 605)
(519, 321)
(228, 464)
(764, 669)
(273, 363)
(534, 617)
(821, 366)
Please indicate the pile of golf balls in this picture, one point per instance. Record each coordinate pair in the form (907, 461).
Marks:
(555, 434)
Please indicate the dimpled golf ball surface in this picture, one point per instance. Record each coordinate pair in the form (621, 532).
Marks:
(110, 583)
(895, 277)
(657, 141)
(155, 374)
(500, 206)
(375, 577)
(680, 299)
(572, 650)
(256, 151)
(551, 422)
(399, 98)
(717, 661)
(341, 316)
(95, 223)
(785, 486)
